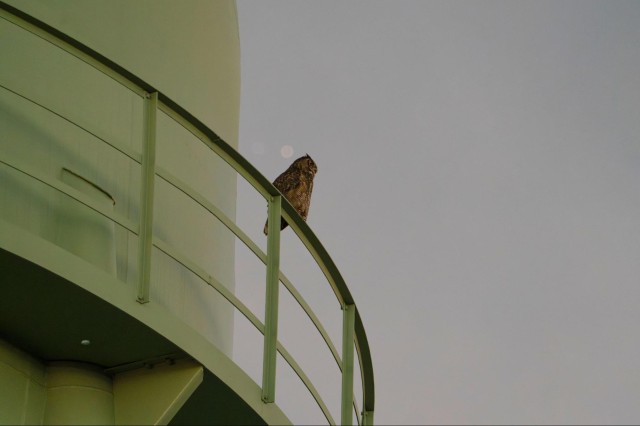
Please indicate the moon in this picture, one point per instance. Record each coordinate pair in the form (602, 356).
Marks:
(286, 151)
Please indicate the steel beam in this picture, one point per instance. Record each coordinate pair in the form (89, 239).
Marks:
(348, 328)
(145, 238)
(271, 301)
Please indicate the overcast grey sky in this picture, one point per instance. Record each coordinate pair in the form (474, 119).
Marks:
(478, 187)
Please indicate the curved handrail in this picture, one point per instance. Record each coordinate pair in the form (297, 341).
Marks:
(241, 166)
(184, 188)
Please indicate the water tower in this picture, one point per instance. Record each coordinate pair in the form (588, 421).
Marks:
(118, 169)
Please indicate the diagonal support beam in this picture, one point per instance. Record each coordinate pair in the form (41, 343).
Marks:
(153, 396)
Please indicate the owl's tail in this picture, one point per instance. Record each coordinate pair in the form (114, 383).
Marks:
(283, 224)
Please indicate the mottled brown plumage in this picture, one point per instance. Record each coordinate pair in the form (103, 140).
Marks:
(296, 184)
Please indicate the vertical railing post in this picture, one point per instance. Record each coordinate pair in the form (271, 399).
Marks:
(148, 166)
(271, 301)
(367, 418)
(348, 330)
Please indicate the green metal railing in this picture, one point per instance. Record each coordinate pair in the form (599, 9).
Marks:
(154, 101)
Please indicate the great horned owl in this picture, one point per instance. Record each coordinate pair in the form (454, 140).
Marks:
(296, 184)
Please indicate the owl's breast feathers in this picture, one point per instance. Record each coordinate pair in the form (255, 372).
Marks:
(296, 184)
(296, 187)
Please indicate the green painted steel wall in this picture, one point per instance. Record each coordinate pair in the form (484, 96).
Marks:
(187, 49)
(22, 387)
(78, 394)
